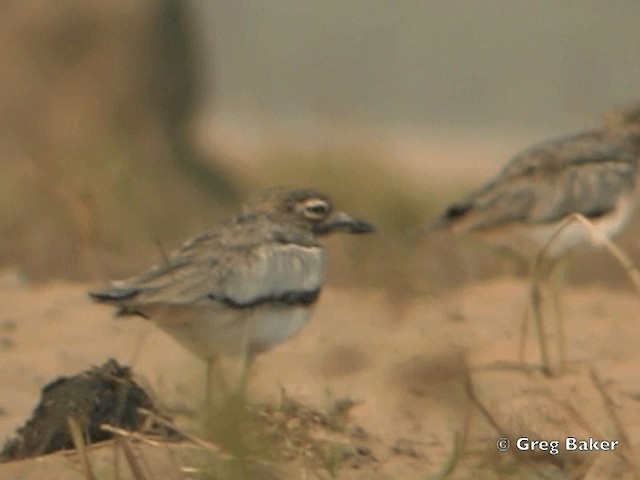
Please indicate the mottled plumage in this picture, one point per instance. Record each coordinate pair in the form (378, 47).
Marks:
(593, 173)
(244, 285)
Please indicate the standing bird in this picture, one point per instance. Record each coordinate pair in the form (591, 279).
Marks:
(593, 175)
(243, 286)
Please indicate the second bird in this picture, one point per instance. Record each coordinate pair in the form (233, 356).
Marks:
(593, 174)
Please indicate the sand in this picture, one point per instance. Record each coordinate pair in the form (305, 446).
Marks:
(407, 366)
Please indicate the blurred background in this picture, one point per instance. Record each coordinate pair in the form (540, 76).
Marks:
(126, 127)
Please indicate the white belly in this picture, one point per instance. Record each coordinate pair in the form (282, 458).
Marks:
(228, 331)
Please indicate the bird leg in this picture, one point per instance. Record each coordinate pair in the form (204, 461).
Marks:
(217, 389)
(240, 388)
(557, 276)
(535, 297)
(554, 276)
(616, 252)
(244, 365)
(222, 390)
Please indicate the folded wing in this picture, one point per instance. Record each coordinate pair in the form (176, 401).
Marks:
(208, 269)
(579, 174)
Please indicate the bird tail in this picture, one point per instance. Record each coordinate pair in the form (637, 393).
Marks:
(114, 294)
(452, 215)
(118, 297)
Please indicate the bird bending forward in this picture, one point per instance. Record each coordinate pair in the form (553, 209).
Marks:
(593, 173)
(526, 207)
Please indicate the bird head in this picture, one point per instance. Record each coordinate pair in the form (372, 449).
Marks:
(305, 208)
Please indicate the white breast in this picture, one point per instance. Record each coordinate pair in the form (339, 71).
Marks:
(275, 270)
(254, 321)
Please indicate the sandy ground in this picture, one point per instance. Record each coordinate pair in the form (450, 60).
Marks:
(406, 365)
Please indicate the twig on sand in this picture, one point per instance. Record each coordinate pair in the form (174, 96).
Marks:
(192, 438)
(628, 456)
(78, 441)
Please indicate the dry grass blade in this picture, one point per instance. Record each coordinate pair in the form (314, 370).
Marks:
(78, 441)
(192, 438)
(177, 469)
(127, 434)
(116, 462)
(615, 419)
(608, 403)
(136, 470)
(476, 401)
(453, 459)
(593, 432)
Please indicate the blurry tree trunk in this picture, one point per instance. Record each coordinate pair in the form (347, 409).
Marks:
(176, 78)
(96, 103)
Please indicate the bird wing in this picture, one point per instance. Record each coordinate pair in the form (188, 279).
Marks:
(579, 174)
(234, 265)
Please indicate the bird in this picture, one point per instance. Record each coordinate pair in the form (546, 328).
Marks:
(530, 205)
(243, 286)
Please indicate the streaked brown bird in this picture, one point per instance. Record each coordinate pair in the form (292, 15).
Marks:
(243, 286)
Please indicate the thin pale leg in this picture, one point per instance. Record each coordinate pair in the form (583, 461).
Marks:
(244, 367)
(218, 391)
(245, 370)
(557, 280)
(535, 298)
(612, 248)
(216, 385)
(616, 252)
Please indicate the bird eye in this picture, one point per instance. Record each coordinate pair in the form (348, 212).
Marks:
(316, 209)
(319, 209)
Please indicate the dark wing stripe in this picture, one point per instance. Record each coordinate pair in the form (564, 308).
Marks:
(286, 298)
(597, 212)
(129, 311)
(114, 294)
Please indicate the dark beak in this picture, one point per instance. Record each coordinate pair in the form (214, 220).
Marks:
(342, 222)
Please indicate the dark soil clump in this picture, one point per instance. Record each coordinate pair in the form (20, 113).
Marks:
(105, 394)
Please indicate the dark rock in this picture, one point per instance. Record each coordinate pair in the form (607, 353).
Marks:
(105, 394)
